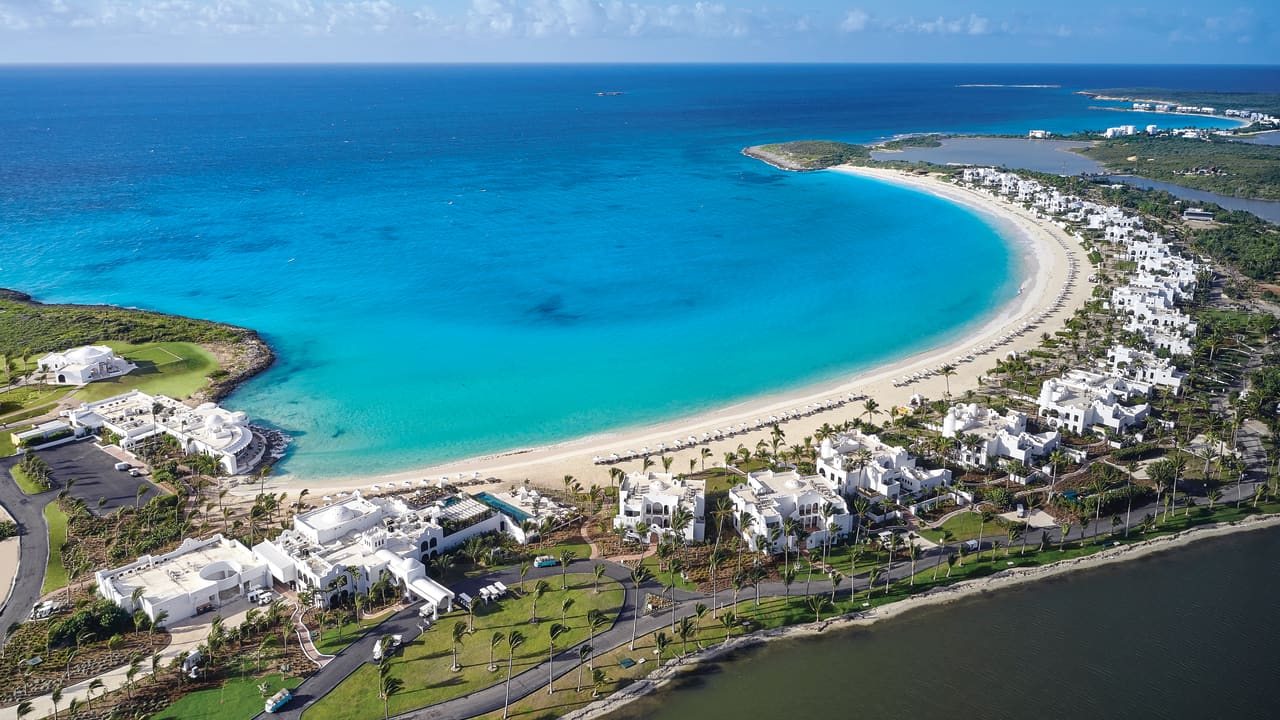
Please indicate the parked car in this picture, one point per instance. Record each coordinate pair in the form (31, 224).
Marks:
(545, 561)
(123, 466)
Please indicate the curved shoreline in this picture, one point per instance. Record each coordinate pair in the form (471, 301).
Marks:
(256, 357)
(1048, 253)
(665, 675)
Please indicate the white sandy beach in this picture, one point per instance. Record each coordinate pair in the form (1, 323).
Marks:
(1048, 253)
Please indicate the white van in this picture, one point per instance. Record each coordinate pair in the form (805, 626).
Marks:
(123, 466)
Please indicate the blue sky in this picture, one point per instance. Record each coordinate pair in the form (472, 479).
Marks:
(1108, 31)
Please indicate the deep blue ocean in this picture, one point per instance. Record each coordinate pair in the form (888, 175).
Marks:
(453, 260)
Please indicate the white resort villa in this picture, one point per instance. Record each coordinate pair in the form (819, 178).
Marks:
(199, 575)
(1145, 367)
(346, 546)
(85, 364)
(653, 499)
(768, 499)
(1083, 400)
(207, 429)
(858, 462)
(993, 436)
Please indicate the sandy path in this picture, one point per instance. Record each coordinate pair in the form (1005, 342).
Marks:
(1047, 252)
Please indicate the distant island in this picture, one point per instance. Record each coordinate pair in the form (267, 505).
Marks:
(1260, 102)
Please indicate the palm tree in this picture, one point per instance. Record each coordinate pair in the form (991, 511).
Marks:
(595, 621)
(599, 678)
(564, 608)
(836, 579)
(946, 371)
(566, 557)
(982, 526)
(514, 640)
(662, 641)
(686, 629)
(540, 589)
(816, 604)
(268, 641)
(1029, 503)
(699, 611)
(639, 575)
(24, 709)
(524, 570)
(494, 641)
(55, 697)
(788, 577)
(913, 554)
(713, 568)
(1015, 532)
(95, 685)
(1062, 541)
(584, 652)
(459, 632)
(728, 620)
(1057, 459)
(387, 686)
(599, 573)
(870, 408)
(553, 632)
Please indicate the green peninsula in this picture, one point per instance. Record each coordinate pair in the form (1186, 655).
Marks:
(802, 155)
(1213, 164)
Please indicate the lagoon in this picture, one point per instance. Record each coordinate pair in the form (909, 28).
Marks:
(1180, 635)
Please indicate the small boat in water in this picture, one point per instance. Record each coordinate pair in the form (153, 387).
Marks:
(609, 93)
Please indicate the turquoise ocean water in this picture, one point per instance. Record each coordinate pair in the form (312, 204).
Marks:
(459, 260)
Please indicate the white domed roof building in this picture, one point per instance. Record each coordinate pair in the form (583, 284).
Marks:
(84, 364)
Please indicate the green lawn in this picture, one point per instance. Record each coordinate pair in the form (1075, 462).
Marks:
(424, 665)
(6, 440)
(237, 698)
(24, 481)
(664, 577)
(176, 369)
(55, 575)
(28, 414)
(965, 526)
(337, 639)
(28, 397)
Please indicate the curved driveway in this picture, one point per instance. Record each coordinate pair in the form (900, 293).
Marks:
(33, 546)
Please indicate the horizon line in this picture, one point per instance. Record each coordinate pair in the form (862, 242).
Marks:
(579, 63)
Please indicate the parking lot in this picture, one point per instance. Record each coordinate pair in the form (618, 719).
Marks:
(96, 477)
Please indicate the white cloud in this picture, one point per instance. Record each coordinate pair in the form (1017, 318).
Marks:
(971, 25)
(854, 21)
(477, 18)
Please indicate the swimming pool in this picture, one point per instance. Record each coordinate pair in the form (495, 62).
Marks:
(516, 514)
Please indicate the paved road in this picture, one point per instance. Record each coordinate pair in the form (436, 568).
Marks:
(406, 623)
(33, 546)
(534, 679)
